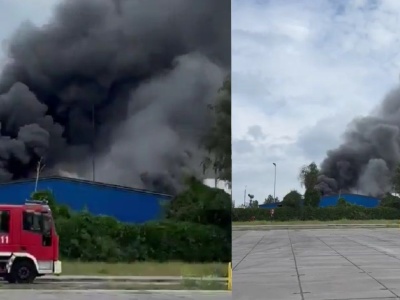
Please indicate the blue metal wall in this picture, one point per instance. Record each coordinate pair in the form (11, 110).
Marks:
(351, 198)
(127, 205)
(332, 201)
(269, 205)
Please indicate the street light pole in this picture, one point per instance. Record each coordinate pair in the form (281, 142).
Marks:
(274, 181)
(244, 198)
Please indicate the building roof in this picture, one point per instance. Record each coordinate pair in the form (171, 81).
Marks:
(89, 182)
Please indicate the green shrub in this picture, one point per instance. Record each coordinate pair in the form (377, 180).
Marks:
(391, 201)
(95, 238)
(57, 210)
(281, 214)
(198, 229)
(293, 199)
(351, 212)
(343, 203)
(201, 204)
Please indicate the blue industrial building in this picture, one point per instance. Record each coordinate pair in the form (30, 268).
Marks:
(332, 200)
(361, 200)
(125, 204)
(270, 205)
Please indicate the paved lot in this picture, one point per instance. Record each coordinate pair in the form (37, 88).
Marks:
(112, 295)
(316, 264)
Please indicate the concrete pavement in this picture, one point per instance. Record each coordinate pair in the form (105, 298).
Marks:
(273, 226)
(316, 264)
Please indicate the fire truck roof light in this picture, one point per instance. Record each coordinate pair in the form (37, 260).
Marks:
(35, 202)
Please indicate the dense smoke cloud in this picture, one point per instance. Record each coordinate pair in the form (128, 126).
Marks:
(370, 153)
(127, 80)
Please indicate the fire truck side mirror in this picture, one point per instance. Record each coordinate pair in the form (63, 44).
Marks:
(46, 225)
(47, 233)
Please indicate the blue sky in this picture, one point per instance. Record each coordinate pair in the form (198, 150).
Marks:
(302, 70)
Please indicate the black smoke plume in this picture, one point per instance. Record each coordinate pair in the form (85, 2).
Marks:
(126, 80)
(366, 160)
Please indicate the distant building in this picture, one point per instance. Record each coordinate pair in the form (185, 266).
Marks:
(332, 200)
(356, 199)
(270, 205)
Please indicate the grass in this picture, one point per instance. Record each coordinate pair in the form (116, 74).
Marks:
(145, 269)
(343, 221)
(185, 285)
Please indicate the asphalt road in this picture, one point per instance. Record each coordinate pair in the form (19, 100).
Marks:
(112, 295)
(319, 264)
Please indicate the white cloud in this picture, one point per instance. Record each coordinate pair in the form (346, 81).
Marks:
(302, 70)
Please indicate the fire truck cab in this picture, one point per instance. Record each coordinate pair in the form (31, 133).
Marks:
(29, 244)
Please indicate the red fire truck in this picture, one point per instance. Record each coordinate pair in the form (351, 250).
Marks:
(29, 244)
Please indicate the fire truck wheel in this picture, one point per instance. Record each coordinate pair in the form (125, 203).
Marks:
(23, 271)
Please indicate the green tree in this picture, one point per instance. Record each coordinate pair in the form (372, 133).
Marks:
(218, 141)
(292, 199)
(396, 180)
(201, 204)
(308, 176)
(269, 199)
(254, 204)
(45, 195)
(48, 196)
(312, 197)
(390, 201)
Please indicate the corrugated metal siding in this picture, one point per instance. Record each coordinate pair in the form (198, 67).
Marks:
(269, 205)
(351, 198)
(124, 204)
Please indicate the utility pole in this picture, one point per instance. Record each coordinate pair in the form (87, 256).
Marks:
(38, 169)
(274, 181)
(244, 198)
